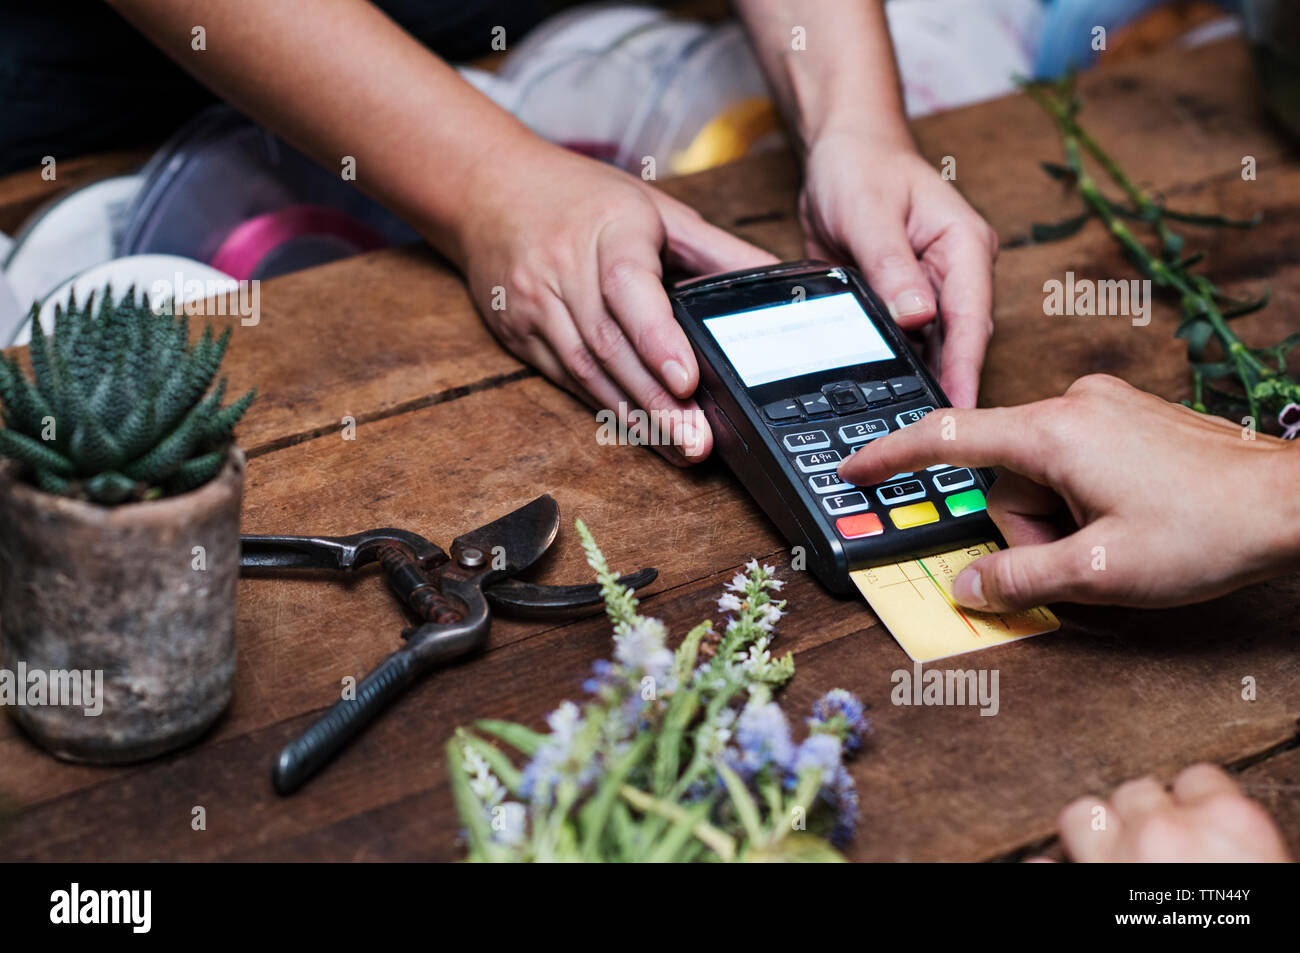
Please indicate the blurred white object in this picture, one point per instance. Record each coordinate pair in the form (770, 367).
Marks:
(66, 236)
(630, 83)
(190, 280)
(953, 52)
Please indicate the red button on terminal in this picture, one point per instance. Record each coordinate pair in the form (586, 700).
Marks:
(862, 524)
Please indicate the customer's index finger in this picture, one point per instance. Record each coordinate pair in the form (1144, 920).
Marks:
(1002, 436)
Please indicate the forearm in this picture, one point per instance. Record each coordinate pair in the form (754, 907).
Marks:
(845, 80)
(338, 78)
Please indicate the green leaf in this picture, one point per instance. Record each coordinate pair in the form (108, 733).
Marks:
(1238, 308)
(24, 406)
(93, 448)
(42, 362)
(220, 426)
(524, 740)
(797, 848)
(719, 841)
(679, 835)
(109, 488)
(472, 813)
(1057, 171)
(743, 801)
(33, 453)
(594, 814)
(1042, 234)
(1216, 369)
(509, 776)
(54, 485)
(163, 460)
(1213, 221)
(196, 472)
(1197, 332)
(668, 748)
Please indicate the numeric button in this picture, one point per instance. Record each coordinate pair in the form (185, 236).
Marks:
(903, 492)
(863, 431)
(828, 483)
(909, 417)
(819, 462)
(806, 440)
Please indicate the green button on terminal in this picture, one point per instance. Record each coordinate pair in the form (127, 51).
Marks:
(963, 504)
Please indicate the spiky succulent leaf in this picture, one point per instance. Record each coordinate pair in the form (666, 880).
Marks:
(50, 483)
(161, 462)
(196, 471)
(25, 408)
(109, 488)
(42, 360)
(33, 453)
(220, 425)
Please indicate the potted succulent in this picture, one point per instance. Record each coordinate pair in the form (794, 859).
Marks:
(120, 491)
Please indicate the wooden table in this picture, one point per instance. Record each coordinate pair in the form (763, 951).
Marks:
(453, 431)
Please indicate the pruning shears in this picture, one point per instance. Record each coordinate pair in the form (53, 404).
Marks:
(451, 595)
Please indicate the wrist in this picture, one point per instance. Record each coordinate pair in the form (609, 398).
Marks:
(1283, 499)
(456, 203)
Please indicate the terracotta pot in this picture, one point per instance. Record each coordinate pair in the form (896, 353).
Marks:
(126, 592)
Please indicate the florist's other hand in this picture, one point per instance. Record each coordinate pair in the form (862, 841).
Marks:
(869, 198)
(883, 207)
(1203, 817)
(1110, 495)
(563, 258)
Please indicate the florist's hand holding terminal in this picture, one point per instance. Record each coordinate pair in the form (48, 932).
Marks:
(1111, 495)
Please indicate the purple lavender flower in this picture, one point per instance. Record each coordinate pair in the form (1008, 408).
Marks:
(842, 795)
(641, 648)
(763, 737)
(852, 725)
(550, 763)
(820, 752)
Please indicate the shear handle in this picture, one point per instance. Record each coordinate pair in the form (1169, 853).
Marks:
(331, 552)
(427, 646)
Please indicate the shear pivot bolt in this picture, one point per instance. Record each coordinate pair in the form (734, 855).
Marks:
(471, 558)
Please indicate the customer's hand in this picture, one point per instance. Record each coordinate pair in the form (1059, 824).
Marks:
(887, 210)
(563, 253)
(1110, 495)
(1202, 818)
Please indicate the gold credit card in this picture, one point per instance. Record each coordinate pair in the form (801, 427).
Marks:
(914, 600)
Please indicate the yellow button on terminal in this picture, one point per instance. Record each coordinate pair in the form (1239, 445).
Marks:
(918, 514)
